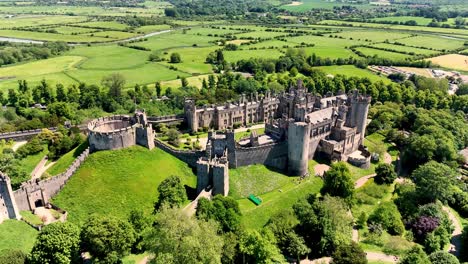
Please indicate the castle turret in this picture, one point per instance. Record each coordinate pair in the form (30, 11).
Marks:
(8, 207)
(298, 147)
(190, 111)
(357, 115)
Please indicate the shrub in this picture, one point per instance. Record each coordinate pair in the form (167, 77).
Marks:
(442, 257)
(389, 217)
(385, 174)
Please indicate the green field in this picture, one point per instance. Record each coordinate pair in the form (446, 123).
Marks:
(272, 202)
(115, 182)
(255, 179)
(322, 4)
(404, 49)
(372, 35)
(383, 54)
(350, 70)
(434, 42)
(420, 20)
(17, 235)
(30, 162)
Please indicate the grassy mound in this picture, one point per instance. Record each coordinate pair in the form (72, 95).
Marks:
(115, 182)
(17, 235)
(255, 179)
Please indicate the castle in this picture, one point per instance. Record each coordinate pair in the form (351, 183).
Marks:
(120, 131)
(298, 127)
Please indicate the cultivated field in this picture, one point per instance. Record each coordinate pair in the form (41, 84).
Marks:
(452, 61)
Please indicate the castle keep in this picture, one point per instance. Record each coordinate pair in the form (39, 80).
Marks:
(120, 131)
(298, 127)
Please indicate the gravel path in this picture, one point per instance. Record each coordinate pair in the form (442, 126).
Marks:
(455, 242)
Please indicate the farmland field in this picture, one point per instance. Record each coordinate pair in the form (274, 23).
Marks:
(452, 61)
(383, 54)
(436, 43)
(349, 70)
(404, 49)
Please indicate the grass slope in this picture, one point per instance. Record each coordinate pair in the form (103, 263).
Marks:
(16, 234)
(116, 182)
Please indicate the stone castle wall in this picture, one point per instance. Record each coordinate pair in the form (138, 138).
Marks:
(272, 155)
(35, 190)
(189, 157)
(112, 132)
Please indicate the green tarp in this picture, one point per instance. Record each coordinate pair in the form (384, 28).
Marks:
(255, 199)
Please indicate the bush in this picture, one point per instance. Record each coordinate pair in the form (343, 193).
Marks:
(175, 58)
(351, 253)
(442, 257)
(385, 174)
(389, 217)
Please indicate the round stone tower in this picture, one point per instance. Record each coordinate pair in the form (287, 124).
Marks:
(298, 147)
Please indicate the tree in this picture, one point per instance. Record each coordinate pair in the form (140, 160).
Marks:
(184, 82)
(178, 238)
(385, 174)
(175, 58)
(349, 253)
(389, 217)
(56, 243)
(338, 182)
(173, 137)
(281, 224)
(158, 89)
(442, 257)
(296, 247)
(140, 223)
(224, 210)
(434, 181)
(260, 247)
(115, 84)
(415, 255)
(61, 94)
(107, 238)
(171, 193)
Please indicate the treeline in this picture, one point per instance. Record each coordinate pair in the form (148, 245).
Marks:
(13, 52)
(185, 8)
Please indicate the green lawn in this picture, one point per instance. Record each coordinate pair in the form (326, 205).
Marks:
(115, 182)
(30, 162)
(62, 164)
(256, 217)
(31, 218)
(17, 235)
(244, 134)
(255, 179)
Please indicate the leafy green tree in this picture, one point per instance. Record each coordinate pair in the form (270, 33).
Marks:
(337, 181)
(171, 193)
(115, 84)
(61, 94)
(158, 89)
(175, 58)
(224, 210)
(107, 238)
(184, 82)
(178, 238)
(434, 181)
(9, 256)
(415, 255)
(297, 246)
(260, 247)
(282, 224)
(389, 217)
(73, 95)
(385, 174)
(56, 243)
(349, 253)
(173, 136)
(442, 257)
(140, 223)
